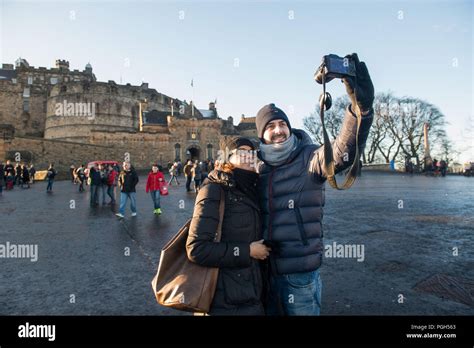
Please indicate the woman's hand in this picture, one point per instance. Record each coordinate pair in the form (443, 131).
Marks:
(258, 250)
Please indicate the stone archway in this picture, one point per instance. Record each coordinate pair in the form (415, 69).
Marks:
(193, 153)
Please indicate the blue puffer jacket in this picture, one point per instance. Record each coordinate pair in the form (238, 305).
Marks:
(292, 197)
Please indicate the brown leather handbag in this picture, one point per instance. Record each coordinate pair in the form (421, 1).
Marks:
(180, 283)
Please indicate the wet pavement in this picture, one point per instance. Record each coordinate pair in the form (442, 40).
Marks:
(413, 231)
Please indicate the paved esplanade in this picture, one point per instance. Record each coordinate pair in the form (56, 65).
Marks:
(383, 237)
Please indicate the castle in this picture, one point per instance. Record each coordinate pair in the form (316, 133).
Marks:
(68, 117)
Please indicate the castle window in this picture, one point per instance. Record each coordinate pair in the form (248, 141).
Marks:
(53, 80)
(26, 93)
(177, 151)
(26, 104)
(30, 80)
(209, 151)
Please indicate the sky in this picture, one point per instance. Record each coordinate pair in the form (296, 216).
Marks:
(247, 54)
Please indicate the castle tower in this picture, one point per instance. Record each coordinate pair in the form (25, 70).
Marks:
(62, 64)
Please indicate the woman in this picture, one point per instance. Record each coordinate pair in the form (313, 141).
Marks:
(239, 285)
(153, 183)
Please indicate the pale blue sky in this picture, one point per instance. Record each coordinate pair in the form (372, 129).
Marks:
(409, 48)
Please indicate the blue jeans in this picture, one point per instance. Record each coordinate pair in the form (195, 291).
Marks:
(94, 198)
(101, 193)
(295, 294)
(50, 185)
(155, 197)
(124, 196)
(111, 193)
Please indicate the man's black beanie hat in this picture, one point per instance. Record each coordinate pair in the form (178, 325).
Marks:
(269, 113)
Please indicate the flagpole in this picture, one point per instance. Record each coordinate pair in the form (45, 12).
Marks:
(192, 103)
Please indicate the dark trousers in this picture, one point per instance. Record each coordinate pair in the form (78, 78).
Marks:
(50, 185)
(94, 195)
(188, 183)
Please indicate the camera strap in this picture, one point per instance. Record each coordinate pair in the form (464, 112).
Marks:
(329, 164)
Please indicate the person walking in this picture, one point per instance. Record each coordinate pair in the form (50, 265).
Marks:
(128, 181)
(174, 174)
(197, 176)
(238, 255)
(81, 177)
(153, 183)
(51, 174)
(112, 178)
(188, 174)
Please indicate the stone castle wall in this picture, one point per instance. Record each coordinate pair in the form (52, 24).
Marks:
(32, 86)
(41, 152)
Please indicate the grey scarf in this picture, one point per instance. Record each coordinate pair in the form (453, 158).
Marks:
(277, 154)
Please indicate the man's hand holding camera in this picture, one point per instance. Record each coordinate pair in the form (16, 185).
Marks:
(360, 89)
(355, 76)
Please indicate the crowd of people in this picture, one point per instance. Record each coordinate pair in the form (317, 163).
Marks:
(21, 175)
(194, 172)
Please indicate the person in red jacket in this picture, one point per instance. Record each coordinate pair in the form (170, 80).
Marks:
(112, 178)
(155, 178)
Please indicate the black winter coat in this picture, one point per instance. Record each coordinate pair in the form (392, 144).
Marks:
(128, 180)
(239, 285)
(292, 197)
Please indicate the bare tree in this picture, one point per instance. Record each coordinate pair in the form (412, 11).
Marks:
(405, 122)
(380, 140)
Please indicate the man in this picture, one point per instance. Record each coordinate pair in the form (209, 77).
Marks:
(188, 174)
(32, 173)
(95, 182)
(51, 174)
(128, 180)
(291, 191)
(103, 183)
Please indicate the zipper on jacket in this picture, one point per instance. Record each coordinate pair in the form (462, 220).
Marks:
(299, 220)
(270, 207)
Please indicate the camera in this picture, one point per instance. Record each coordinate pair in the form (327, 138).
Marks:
(334, 67)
